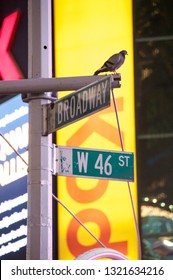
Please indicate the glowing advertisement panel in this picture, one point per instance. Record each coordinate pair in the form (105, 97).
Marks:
(13, 179)
(86, 34)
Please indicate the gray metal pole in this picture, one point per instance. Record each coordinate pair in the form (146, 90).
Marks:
(39, 237)
(36, 85)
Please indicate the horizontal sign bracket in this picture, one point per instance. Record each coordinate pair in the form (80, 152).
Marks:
(41, 85)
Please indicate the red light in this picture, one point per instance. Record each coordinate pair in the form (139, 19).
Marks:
(8, 67)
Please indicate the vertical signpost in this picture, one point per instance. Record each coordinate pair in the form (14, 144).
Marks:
(39, 222)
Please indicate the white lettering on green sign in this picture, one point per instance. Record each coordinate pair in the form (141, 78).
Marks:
(101, 164)
(80, 103)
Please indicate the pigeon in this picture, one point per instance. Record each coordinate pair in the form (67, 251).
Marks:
(113, 63)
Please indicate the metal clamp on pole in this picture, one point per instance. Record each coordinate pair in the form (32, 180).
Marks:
(115, 81)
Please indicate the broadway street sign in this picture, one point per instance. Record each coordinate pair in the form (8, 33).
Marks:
(102, 164)
(78, 105)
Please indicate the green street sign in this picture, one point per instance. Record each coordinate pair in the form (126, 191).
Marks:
(78, 105)
(102, 164)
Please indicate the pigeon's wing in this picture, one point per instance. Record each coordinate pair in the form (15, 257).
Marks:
(114, 59)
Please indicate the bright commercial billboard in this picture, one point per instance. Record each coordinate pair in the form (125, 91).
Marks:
(87, 33)
(13, 178)
(14, 131)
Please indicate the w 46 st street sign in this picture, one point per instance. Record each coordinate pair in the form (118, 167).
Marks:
(102, 164)
(78, 105)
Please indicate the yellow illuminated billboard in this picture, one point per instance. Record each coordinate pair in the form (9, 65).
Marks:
(86, 34)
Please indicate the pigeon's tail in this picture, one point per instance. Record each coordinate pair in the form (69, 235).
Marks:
(100, 70)
(96, 72)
